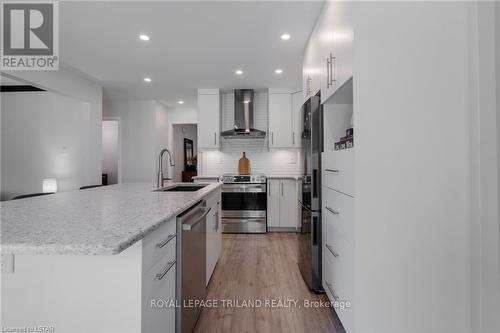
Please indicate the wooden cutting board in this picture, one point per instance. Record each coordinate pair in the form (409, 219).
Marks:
(244, 165)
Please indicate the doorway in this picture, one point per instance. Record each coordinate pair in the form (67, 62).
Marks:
(110, 151)
(185, 152)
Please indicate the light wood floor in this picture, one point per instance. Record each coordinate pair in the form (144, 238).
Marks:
(262, 267)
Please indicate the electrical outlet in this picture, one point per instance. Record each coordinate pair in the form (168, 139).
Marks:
(7, 262)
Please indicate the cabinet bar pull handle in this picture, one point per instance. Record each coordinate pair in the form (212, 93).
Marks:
(282, 189)
(335, 297)
(328, 71)
(331, 210)
(333, 71)
(272, 138)
(161, 275)
(269, 188)
(215, 139)
(332, 170)
(330, 248)
(293, 138)
(169, 238)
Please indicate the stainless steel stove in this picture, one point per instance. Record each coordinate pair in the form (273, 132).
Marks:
(244, 203)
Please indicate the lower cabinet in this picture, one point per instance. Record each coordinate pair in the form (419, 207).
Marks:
(159, 288)
(133, 291)
(338, 252)
(282, 196)
(214, 233)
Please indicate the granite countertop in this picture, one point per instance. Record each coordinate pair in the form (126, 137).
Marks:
(99, 221)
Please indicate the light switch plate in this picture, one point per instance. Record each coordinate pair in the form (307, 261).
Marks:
(7, 262)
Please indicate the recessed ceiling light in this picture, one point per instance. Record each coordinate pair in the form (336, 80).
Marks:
(285, 36)
(144, 37)
(278, 71)
(239, 72)
(180, 102)
(147, 79)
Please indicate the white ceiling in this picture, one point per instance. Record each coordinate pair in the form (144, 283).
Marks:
(193, 45)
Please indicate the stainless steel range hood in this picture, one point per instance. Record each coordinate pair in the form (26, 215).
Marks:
(243, 117)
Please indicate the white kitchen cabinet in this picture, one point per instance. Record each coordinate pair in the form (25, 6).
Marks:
(296, 119)
(281, 202)
(338, 170)
(328, 57)
(159, 286)
(208, 118)
(288, 200)
(126, 292)
(310, 67)
(273, 202)
(214, 234)
(280, 119)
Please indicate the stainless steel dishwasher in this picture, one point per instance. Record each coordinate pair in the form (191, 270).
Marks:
(191, 254)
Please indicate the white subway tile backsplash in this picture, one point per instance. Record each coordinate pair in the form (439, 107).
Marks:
(262, 160)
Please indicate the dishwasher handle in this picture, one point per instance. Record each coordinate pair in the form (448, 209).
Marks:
(191, 224)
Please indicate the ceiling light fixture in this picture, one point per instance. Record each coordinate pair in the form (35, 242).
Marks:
(180, 102)
(144, 37)
(278, 71)
(147, 79)
(239, 72)
(285, 36)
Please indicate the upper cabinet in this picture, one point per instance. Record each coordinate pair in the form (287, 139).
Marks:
(280, 119)
(285, 120)
(327, 63)
(208, 118)
(296, 119)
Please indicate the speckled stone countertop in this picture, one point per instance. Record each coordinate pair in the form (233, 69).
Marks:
(99, 221)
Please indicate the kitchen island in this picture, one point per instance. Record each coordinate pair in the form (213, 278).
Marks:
(91, 260)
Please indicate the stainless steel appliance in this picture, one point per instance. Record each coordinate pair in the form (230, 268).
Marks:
(244, 204)
(243, 117)
(310, 202)
(191, 249)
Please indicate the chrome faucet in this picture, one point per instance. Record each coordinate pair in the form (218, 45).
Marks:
(161, 179)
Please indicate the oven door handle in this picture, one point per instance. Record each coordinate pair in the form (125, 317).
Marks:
(244, 188)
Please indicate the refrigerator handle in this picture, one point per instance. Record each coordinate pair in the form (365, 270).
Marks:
(315, 183)
(320, 132)
(314, 230)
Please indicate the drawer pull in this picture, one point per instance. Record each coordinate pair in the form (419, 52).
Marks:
(331, 210)
(161, 275)
(332, 170)
(332, 251)
(335, 297)
(169, 238)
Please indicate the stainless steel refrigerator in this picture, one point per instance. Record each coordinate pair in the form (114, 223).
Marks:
(310, 201)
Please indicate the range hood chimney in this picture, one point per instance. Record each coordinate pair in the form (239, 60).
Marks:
(243, 117)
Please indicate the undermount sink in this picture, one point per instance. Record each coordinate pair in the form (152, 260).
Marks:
(181, 188)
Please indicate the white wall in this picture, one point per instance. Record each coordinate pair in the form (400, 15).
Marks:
(110, 151)
(73, 84)
(497, 59)
(143, 134)
(412, 167)
(262, 160)
(181, 131)
(44, 135)
(484, 159)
